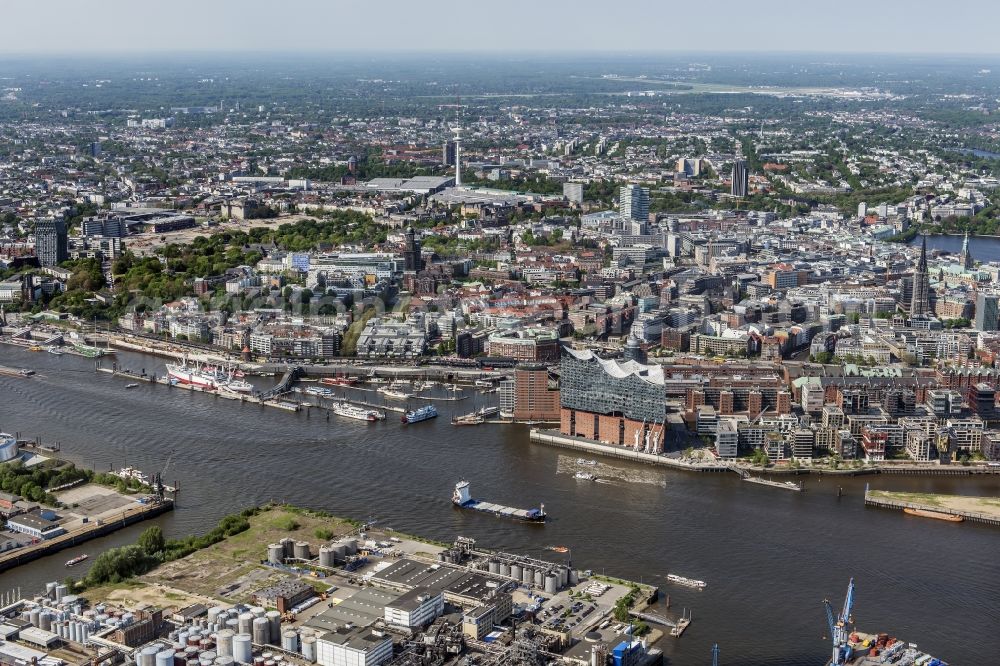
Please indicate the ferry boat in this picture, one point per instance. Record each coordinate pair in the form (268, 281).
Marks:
(239, 386)
(76, 560)
(360, 413)
(690, 582)
(339, 381)
(421, 414)
(131, 473)
(393, 394)
(319, 390)
(484, 383)
(463, 500)
(89, 351)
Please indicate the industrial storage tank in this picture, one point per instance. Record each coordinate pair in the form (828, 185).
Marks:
(351, 545)
(165, 658)
(551, 583)
(539, 578)
(326, 558)
(147, 655)
(261, 631)
(563, 576)
(258, 611)
(309, 648)
(242, 650)
(504, 569)
(290, 640)
(528, 576)
(61, 591)
(301, 550)
(274, 625)
(224, 661)
(275, 553)
(339, 553)
(50, 590)
(8, 447)
(289, 546)
(246, 623)
(224, 643)
(45, 621)
(494, 567)
(33, 615)
(516, 571)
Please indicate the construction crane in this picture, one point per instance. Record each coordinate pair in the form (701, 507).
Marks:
(715, 655)
(839, 626)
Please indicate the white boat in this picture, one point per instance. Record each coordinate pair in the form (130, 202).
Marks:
(395, 395)
(484, 383)
(318, 390)
(690, 582)
(239, 386)
(585, 461)
(192, 376)
(353, 412)
(131, 473)
(584, 476)
(132, 385)
(54, 351)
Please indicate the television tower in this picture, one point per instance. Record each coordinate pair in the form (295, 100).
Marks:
(458, 155)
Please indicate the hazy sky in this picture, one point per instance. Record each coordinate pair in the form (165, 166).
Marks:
(921, 26)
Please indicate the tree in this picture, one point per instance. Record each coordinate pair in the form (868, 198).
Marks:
(151, 540)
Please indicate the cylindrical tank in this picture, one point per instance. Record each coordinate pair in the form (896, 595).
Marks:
(326, 557)
(290, 640)
(61, 592)
(206, 643)
(504, 569)
(528, 576)
(301, 550)
(261, 631)
(273, 626)
(45, 621)
(224, 661)
(147, 655)
(351, 546)
(516, 571)
(208, 655)
(494, 567)
(74, 632)
(258, 611)
(339, 553)
(309, 648)
(275, 553)
(165, 658)
(33, 616)
(539, 578)
(246, 623)
(289, 546)
(563, 576)
(551, 583)
(224, 643)
(242, 650)
(50, 589)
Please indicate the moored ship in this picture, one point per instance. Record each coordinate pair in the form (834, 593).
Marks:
(463, 500)
(421, 414)
(350, 411)
(192, 376)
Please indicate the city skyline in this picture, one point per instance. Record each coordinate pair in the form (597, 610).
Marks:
(119, 27)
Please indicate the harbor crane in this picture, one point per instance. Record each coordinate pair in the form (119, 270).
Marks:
(839, 626)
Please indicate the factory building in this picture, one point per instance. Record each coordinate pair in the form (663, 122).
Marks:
(416, 608)
(37, 524)
(353, 647)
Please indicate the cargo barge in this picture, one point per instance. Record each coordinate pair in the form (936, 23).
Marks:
(462, 499)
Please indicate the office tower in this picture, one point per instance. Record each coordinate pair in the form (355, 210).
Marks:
(920, 305)
(51, 242)
(741, 178)
(95, 149)
(448, 153)
(967, 262)
(573, 192)
(862, 209)
(633, 203)
(987, 312)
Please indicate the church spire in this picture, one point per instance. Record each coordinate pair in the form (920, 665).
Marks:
(967, 262)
